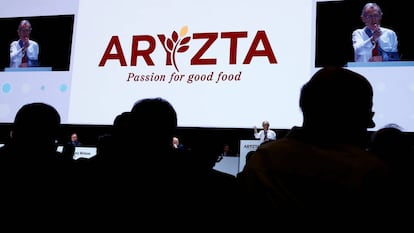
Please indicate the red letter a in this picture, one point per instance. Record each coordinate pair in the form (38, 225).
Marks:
(119, 55)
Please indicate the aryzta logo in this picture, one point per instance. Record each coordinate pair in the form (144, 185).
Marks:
(179, 43)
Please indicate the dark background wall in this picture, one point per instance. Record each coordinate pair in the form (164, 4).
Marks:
(210, 140)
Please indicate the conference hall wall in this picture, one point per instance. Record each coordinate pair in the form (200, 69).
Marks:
(224, 65)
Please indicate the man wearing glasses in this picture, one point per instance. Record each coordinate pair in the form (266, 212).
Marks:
(24, 52)
(374, 43)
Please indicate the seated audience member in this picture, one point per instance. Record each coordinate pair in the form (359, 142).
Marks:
(69, 148)
(74, 140)
(155, 179)
(266, 134)
(111, 144)
(320, 173)
(393, 146)
(176, 143)
(226, 152)
(32, 170)
(249, 155)
(33, 137)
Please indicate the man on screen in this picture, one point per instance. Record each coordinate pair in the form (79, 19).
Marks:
(374, 43)
(24, 52)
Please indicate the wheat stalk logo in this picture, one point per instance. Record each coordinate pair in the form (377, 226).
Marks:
(177, 43)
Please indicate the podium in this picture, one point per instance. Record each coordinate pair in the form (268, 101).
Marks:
(245, 147)
(27, 69)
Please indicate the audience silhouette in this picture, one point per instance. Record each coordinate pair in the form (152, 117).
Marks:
(69, 148)
(321, 172)
(34, 134)
(33, 173)
(152, 179)
(393, 146)
(110, 145)
(322, 167)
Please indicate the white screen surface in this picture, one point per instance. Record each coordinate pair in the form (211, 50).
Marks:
(267, 47)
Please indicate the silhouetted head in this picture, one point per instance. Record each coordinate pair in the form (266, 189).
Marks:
(121, 123)
(338, 100)
(153, 121)
(393, 146)
(36, 124)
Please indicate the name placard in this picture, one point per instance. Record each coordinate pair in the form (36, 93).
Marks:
(84, 152)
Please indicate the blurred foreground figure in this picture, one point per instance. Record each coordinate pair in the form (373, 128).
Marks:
(320, 172)
(32, 172)
(33, 137)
